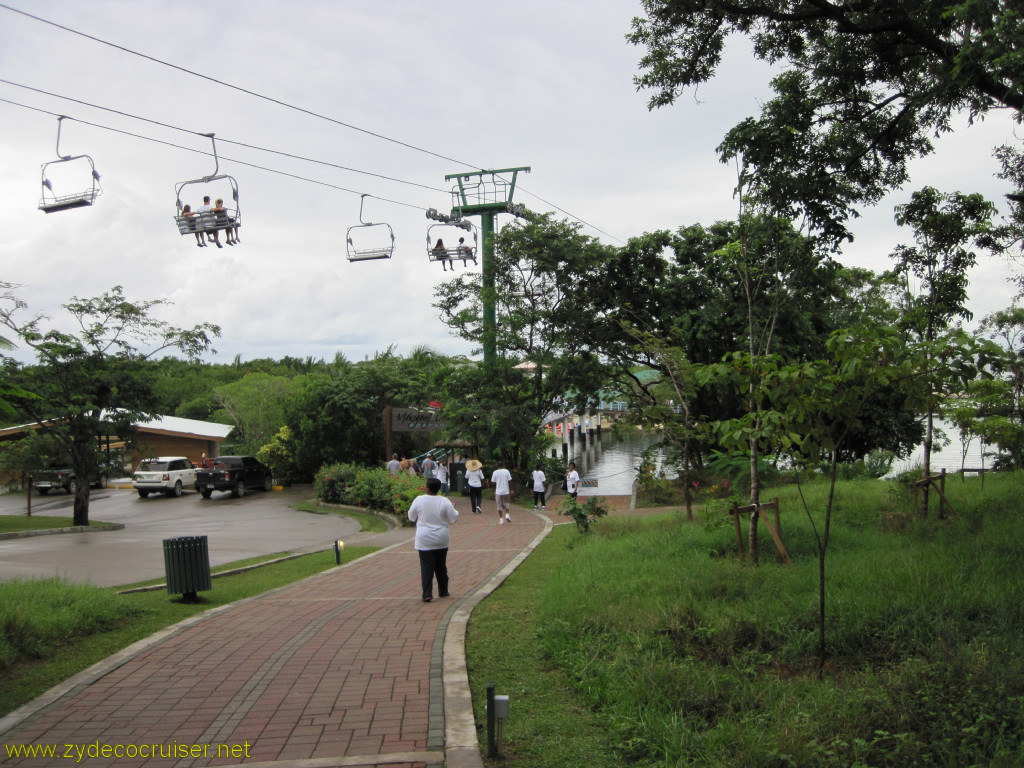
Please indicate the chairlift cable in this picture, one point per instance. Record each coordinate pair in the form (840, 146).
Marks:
(221, 139)
(239, 88)
(285, 104)
(210, 154)
(570, 215)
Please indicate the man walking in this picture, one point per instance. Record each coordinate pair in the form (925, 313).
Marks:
(501, 479)
(429, 467)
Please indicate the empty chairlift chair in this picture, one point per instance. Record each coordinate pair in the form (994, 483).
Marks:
(367, 240)
(86, 190)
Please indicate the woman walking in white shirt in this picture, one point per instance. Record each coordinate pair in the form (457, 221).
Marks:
(432, 515)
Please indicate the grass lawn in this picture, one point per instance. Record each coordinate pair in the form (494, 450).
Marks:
(648, 643)
(18, 523)
(549, 725)
(370, 523)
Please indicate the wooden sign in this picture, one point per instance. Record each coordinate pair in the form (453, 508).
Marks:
(412, 420)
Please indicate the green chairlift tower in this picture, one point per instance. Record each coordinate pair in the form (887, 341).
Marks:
(486, 194)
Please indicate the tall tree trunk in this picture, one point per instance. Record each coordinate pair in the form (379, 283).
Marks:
(755, 499)
(927, 463)
(822, 551)
(81, 514)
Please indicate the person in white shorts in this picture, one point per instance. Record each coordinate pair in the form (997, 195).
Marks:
(501, 479)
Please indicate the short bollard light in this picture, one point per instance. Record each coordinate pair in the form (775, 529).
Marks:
(338, 546)
(497, 714)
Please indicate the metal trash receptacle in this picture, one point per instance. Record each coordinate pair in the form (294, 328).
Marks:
(187, 566)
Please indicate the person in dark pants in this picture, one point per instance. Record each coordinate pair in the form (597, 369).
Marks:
(432, 515)
(475, 483)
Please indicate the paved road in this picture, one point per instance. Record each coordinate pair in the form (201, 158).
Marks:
(258, 524)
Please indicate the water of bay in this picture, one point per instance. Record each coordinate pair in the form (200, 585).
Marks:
(612, 459)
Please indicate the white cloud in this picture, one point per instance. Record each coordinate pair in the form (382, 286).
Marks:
(548, 85)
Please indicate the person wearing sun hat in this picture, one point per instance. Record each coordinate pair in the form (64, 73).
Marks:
(475, 481)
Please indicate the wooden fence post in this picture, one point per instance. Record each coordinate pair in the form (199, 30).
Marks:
(739, 536)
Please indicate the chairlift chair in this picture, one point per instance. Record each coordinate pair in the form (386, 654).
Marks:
(50, 200)
(452, 231)
(370, 241)
(208, 221)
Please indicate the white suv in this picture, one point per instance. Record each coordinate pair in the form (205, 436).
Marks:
(164, 474)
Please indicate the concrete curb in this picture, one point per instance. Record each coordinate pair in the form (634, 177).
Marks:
(71, 529)
(462, 748)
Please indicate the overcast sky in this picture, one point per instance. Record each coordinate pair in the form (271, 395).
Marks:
(454, 86)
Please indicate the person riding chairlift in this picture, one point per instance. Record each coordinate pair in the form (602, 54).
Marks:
(464, 250)
(441, 254)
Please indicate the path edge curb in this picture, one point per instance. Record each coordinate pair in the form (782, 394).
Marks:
(462, 748)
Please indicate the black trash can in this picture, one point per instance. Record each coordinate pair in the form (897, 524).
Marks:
(187, 565)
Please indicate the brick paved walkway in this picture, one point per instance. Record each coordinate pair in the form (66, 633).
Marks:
(343, 669)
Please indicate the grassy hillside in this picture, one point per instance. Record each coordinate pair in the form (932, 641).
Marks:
(648, 643)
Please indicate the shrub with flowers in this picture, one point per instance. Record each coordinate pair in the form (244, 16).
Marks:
(407, 488)
(372, 487)
(333, 483)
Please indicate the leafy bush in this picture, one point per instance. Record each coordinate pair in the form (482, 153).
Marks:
(658, 491)
(875, 465)
(333, 483)
(405, 488)
(279, 455)
(372, 487)
(583, 514)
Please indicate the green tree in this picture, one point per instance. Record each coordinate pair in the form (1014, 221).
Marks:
(337, 416)
(546, 273)
(768, 263)
(947, 228)
(817, 406)
(257, 405)
(25, 456)
(94, 381)
(999, 417)
(864, 89)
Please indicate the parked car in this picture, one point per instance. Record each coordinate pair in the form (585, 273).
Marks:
(234, 473)
(63, 477)
(165, 474)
